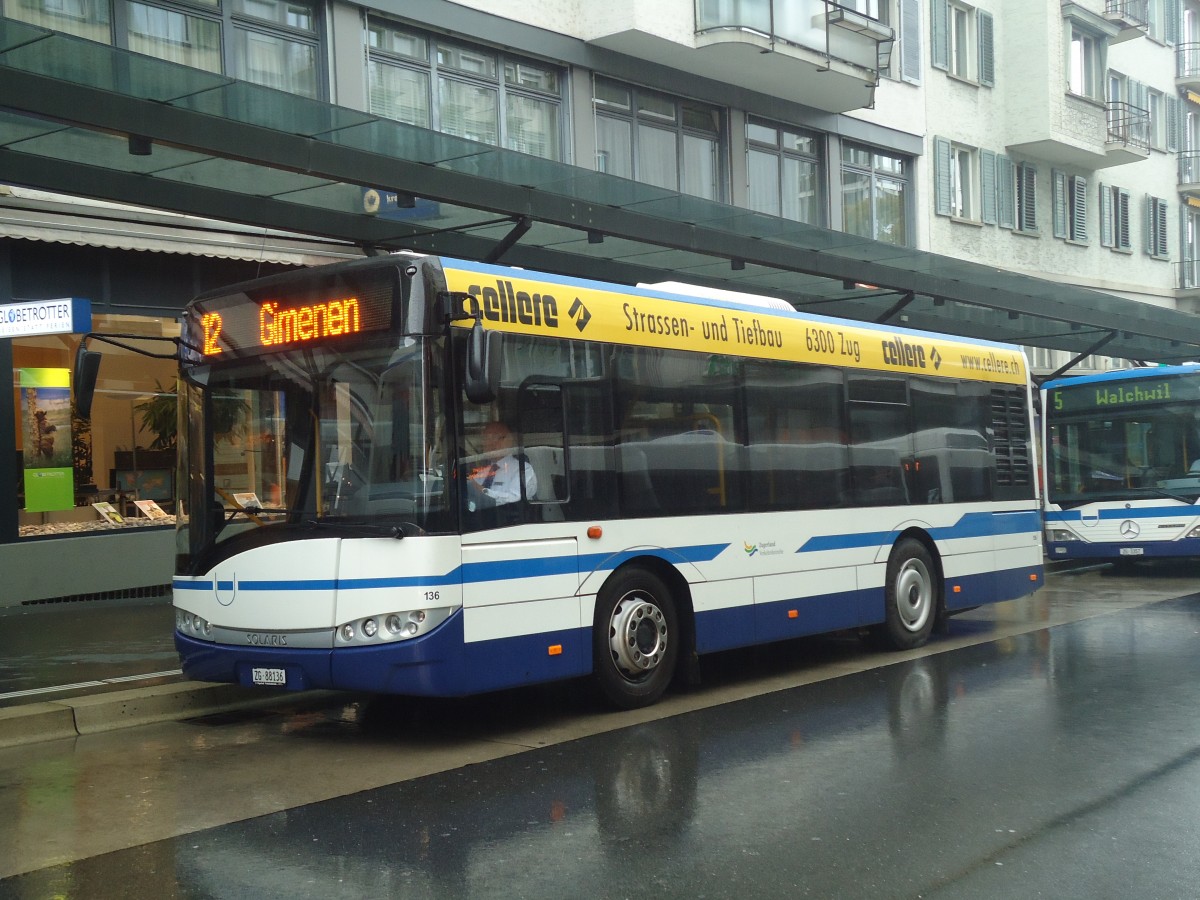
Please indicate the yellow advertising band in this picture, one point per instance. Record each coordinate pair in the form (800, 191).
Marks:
(525, 306)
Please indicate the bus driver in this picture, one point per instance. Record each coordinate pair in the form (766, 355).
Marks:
(497, 480)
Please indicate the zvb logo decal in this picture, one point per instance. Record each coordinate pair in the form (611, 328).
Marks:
(1130, 529)
(580, 314)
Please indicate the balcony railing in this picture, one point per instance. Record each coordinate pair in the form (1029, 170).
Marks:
(1128, 125)
(1189, 167)
(1187, 60)
(1188, 272)
(1135, 12)
(807, 23)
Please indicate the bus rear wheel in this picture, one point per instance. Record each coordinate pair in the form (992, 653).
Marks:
(635, 639)
(910, 597)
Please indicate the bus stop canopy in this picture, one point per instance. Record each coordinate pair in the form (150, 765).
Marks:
(83, 118)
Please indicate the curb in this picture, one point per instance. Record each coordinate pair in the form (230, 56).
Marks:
(55, 720)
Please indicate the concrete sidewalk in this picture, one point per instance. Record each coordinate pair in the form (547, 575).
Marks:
(68, 669)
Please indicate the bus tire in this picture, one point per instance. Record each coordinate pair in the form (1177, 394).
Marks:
(635, 638)
(910, 597)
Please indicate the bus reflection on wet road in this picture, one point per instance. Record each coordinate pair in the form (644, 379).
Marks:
(1061, 761)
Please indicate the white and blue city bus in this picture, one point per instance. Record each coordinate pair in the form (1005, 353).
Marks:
(693, 475)
(1122, 464)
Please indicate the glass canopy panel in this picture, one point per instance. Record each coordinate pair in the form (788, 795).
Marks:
(100, 66)
(401, 141)
(105, 151)
(240, 177)
(267, 107)
(15, 128)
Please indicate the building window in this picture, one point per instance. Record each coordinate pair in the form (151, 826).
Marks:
(785, 172)
(1189, 275)
(875, 194)
(658, 139)
(1157, 122)
(1070, 206)
(1114, 218)
(190, 40)
(957, 174)
(962, 41)
(468, 91)
(1085, 59)
(1156, 227)
(275, 43)
(89, 19)
(115, 470)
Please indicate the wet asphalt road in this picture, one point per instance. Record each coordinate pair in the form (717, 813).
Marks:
(1060, 761)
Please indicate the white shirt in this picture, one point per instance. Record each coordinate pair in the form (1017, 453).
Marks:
(499, 480)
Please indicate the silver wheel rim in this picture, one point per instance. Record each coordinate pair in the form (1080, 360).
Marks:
(637, 635)
(914, 595)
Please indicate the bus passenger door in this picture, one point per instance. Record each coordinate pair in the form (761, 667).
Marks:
(521, 615)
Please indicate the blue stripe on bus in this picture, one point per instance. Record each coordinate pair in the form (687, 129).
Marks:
(443, 664)
(475, 573)
(1137, 512)
(971, 525)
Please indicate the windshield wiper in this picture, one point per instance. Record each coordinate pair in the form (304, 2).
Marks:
(1160, 492)
(394, 531)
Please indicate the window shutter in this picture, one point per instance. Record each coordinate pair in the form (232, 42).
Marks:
(1160, 228)
(942, 166)
(910, 41)
(1173, 110)
(939, 14)
(1106, 216)
(1185, 264)
(987, 187)
(1173, 26)
(1005, 199)
(987, 58)
(1027, 196)
(1058, 182)
(1121, 235)
(1149, 224)
(1079, 208)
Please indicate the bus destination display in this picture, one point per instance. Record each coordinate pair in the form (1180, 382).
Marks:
(240, 323)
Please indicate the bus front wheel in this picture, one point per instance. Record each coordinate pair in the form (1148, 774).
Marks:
(910, 597)
(635, 639)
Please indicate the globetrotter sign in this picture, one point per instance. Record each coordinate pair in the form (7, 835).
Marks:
(70, 315)
(573, 308)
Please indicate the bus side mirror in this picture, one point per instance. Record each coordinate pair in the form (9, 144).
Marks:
(483, 364)
(87, 367)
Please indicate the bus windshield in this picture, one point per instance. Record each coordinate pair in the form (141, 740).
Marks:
(1147, 451)
(315, 438)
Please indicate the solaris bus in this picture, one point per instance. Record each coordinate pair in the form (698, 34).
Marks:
(681, 476)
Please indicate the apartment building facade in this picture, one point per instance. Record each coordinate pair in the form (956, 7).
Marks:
(1056, 139)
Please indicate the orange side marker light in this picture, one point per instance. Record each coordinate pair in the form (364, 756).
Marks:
(595, 531)
(554, 650)
(793, 614)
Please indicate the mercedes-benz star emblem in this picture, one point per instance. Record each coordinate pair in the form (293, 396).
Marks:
(1130, 529)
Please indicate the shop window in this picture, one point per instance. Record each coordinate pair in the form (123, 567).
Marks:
(114, 471)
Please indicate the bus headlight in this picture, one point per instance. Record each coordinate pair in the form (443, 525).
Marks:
(397, 626)
(1059, 535)
(192, 625)
(1194, 533)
